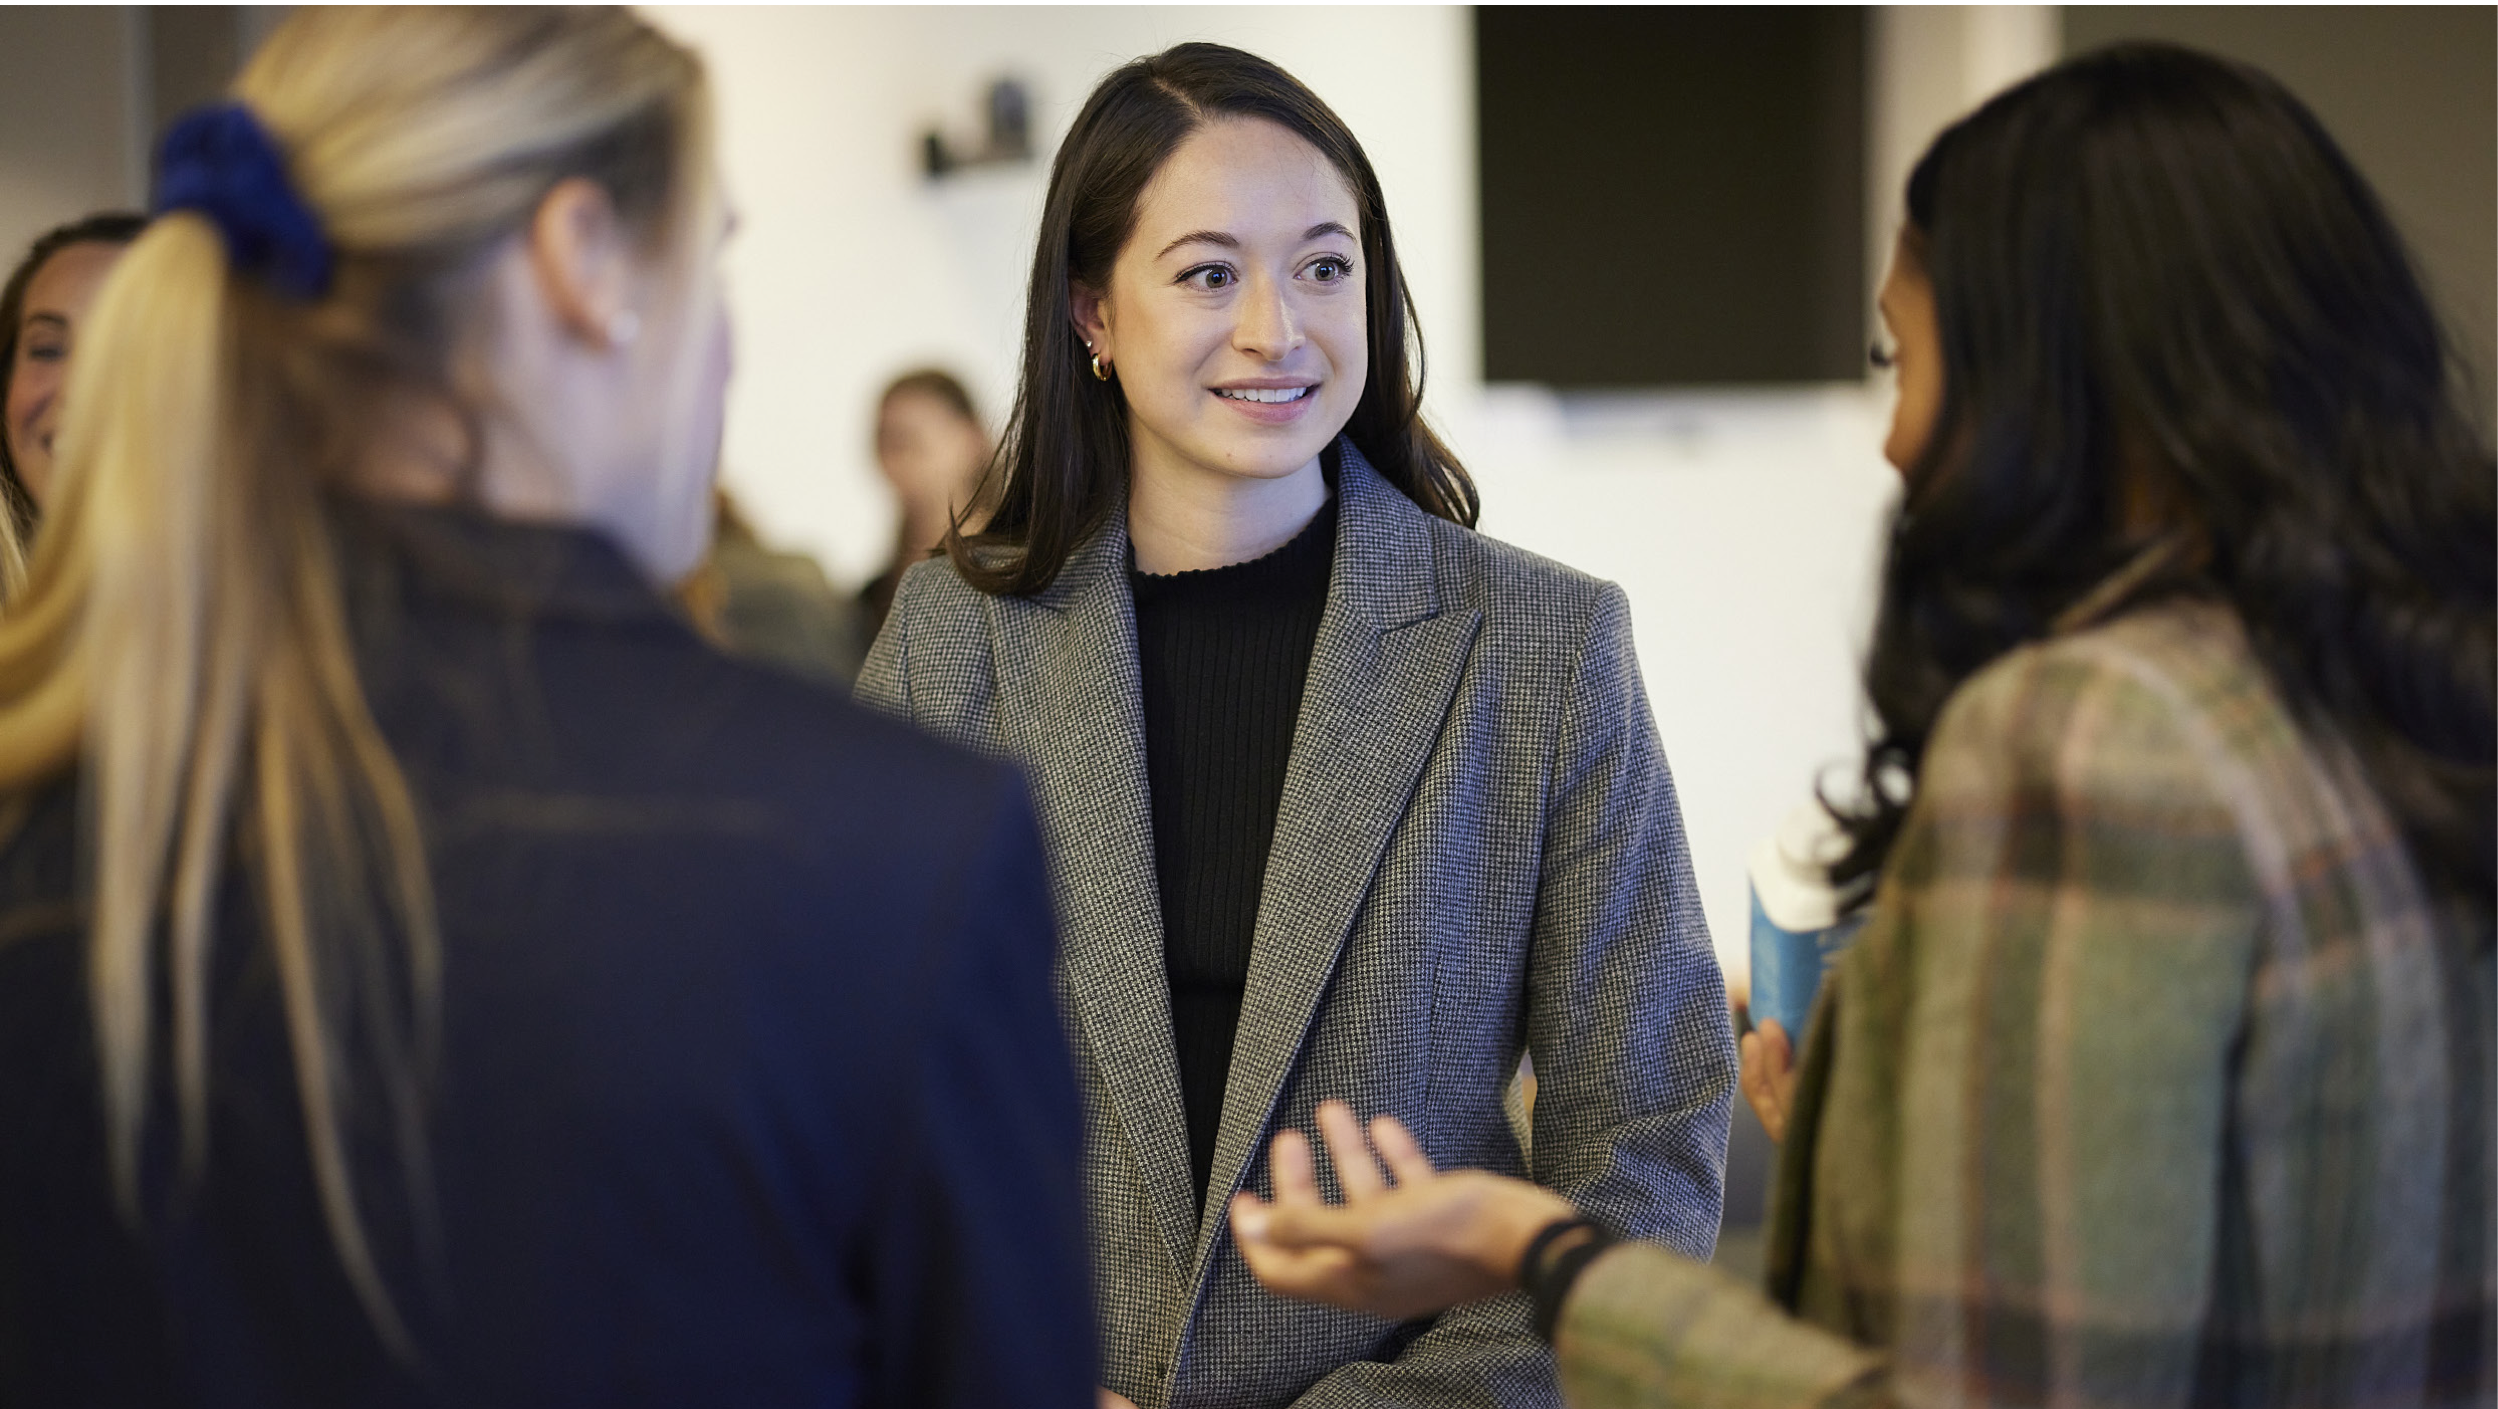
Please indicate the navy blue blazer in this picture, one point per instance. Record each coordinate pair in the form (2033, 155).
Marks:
(751, 1089)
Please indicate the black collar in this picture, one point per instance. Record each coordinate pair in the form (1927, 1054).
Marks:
(503, 567)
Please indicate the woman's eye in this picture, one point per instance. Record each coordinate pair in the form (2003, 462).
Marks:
(46, 351)
(1330, 269)
(1210, 277)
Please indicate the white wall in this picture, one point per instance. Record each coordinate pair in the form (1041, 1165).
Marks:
(72, 137)
(1743, 526)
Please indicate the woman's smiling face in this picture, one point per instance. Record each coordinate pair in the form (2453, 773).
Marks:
(58, 299)
(1234, 320)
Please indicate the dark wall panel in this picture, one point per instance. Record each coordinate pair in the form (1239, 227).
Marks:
(1672, 196)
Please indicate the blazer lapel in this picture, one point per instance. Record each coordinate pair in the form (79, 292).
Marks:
(1067, 672)
(1382, 676)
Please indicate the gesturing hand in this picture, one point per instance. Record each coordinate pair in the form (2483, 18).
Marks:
(1419, 1244)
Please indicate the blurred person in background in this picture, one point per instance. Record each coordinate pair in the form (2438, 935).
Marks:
(2162, 1073)
(772, 605)
(41, 308)
(768, 604)
(1339, 796)
(432, 975)
(931, 448)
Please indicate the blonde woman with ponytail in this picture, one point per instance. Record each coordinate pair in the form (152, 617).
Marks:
(428, 974)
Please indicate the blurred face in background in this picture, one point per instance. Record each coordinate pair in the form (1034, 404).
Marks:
(57, 299)
(932, 456)
(1907, 306)
(1234, 320)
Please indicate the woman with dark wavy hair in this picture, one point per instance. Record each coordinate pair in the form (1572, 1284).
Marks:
(2162, 1073)
(1339, 796)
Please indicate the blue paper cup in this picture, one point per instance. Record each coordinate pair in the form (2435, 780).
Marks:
(1788, 965)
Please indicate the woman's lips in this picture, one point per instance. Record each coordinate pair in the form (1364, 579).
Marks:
(1269, 412)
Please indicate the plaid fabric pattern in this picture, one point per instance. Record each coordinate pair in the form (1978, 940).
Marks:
(1479, 851)
(2157, 1079)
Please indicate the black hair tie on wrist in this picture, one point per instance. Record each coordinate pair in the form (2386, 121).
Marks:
(1548, 1283)
(1543, 1239)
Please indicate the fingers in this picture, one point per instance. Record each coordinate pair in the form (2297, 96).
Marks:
(1774, 1038)
(1355, 1169)
(1753, 1080)
(1249, 1218)
(1296, 1182)
(1296, 1174)
(1327, 1275)
(1782, 1073)
(1403, 1153)
(1767, 1075)
(1313, 1226)
(1289, 1259)
(1283, 1226)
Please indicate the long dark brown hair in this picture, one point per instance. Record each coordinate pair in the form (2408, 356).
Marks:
(2146, 256)
(1063, 465)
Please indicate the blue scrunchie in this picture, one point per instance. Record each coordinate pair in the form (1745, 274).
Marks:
(221, 162)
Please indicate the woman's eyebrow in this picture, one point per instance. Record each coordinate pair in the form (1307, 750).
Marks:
(53, 318)
(1202, 237)
(1231, 242)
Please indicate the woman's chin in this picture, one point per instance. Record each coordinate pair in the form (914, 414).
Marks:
(1225, 444)
(1270, 463)
(1270, 453)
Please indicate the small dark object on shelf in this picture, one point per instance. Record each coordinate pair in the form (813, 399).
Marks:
(1009, 137)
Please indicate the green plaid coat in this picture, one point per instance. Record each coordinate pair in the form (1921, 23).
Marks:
(2156, 1079)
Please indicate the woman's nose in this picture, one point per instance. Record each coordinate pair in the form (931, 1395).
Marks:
(1269, 327)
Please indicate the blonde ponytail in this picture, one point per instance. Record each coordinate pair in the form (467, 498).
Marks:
(181, 639)
(12, 557)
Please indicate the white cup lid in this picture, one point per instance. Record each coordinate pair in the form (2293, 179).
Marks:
(1790, 869)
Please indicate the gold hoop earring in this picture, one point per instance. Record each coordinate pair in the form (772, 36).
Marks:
(1100, 372)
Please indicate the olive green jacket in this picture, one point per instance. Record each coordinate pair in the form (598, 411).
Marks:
(2156, 1079)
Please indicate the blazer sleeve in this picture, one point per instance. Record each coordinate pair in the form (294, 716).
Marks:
(1649, 1327)
(980, 1275)
(1626, 1019)
(2066, 981)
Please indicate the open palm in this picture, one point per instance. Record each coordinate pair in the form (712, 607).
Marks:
(1407, 1240)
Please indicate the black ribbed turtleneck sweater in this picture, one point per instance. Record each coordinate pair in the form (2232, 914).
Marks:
(1221, 657)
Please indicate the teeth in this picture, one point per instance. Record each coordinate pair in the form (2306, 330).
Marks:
(1264, 396)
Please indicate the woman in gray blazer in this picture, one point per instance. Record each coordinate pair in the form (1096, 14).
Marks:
(1340, 797)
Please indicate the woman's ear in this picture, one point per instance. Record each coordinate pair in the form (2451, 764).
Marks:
(1087, 310)
(583, 263)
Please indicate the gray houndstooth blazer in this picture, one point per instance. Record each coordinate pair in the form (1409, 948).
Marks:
(1478, 848)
